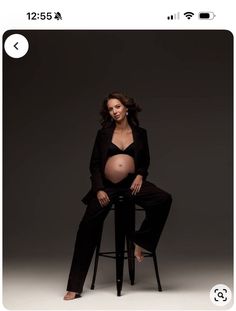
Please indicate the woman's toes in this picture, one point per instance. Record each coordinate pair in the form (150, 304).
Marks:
(139, 258)
(69, 295)
(138, 253)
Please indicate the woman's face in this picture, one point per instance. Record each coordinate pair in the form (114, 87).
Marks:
(116, 109)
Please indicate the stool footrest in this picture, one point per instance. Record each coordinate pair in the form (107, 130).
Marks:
(109, 255)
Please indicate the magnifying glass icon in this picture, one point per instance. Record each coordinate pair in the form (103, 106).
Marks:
(220, 294)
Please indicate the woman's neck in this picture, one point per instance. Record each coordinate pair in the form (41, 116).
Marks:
(124, 125)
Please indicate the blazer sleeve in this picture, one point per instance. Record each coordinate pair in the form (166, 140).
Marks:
(95, 166)
(144, 160)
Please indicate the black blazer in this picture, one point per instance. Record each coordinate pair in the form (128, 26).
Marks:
(99, 156)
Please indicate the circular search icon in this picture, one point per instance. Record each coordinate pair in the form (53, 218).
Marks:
(220, 295)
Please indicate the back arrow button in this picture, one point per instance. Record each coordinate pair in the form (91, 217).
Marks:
(15, 45)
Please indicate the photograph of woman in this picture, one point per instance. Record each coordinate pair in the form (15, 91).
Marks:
(119, 162)
(98, 138)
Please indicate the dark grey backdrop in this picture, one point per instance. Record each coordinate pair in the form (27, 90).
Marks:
(182, 80)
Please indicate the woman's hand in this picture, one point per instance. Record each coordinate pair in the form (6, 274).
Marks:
(103, 198)
(136, 184)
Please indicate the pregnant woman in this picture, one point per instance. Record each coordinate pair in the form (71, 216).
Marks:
(119, 162)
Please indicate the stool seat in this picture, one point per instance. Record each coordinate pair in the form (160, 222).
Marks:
(124, 218)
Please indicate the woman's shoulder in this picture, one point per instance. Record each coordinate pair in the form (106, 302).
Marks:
(106, 128)
(140, 129)
(103, 130)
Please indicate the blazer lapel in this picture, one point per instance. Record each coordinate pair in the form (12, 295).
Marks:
(107, 134)
(135, 137)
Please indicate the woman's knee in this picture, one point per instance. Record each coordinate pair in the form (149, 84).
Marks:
(165, 199)
(95, 214)
(168, 199)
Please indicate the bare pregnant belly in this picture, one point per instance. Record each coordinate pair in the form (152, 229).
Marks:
(118, 167)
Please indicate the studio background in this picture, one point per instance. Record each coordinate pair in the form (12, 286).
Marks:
(52, 97)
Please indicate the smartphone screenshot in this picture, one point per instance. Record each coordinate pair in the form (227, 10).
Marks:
(117, 155)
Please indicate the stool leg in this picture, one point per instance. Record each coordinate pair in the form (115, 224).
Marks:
(156, 270)
(120, 244)
(96, 259)
(131, 260)
(130, 244)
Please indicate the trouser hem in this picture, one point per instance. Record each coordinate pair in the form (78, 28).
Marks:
(143, 244)
(70, 288)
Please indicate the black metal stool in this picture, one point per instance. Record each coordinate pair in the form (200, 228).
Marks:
(124, 224)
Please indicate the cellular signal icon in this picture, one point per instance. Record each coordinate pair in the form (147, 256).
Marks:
(173, 16)
(188, 14)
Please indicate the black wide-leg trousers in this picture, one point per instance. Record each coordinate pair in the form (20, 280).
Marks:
(153, 200)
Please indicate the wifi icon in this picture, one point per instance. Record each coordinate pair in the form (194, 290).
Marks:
(188, 14)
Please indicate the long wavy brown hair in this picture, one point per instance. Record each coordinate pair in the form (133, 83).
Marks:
(127, 101)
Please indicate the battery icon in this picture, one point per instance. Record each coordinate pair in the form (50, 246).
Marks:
(206, 15)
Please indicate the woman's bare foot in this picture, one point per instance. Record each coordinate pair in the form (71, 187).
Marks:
(71, 295)
(138, 253)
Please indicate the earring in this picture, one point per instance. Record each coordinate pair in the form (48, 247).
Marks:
(126, 113)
